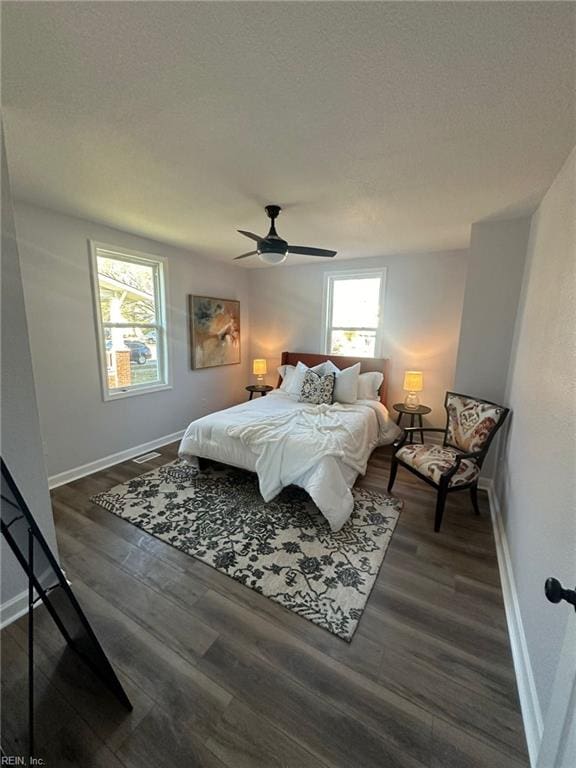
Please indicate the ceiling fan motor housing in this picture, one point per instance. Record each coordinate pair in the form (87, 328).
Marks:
(273, 244)
(273, 250)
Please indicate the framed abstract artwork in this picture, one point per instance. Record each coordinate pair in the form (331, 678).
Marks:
(214, 331)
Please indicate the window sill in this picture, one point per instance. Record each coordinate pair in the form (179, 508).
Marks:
(108, 397)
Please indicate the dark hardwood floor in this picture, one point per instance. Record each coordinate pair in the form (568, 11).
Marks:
(223, 677)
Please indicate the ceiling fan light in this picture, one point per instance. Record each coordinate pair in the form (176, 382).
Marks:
(272, 257)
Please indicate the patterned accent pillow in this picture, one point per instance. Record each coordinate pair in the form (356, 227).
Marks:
(470, 423)
(295, 385)
(317, 389)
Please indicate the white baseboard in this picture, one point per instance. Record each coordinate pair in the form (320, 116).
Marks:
(108, 461)
(14, 608)
(529, 703)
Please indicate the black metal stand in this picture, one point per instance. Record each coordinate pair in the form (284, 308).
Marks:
(30, 646)
(47, 580)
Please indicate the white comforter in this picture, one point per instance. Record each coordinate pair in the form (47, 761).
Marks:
(319, 448)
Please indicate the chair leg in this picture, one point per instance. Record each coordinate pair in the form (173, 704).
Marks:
(393, 470)
(440, 503)
(474, 497)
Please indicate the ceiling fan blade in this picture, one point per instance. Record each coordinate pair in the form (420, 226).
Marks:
(244, 255)
(304, 250)
(251, 235)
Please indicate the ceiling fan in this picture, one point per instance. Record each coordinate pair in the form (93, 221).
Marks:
(272, 249)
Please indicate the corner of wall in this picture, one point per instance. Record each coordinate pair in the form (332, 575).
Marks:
(21, 440)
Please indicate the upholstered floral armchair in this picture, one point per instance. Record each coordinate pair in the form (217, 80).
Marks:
(455, 465)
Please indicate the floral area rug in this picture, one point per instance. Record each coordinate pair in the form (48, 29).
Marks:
(283, 549)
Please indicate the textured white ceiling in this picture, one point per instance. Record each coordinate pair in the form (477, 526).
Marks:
(381, 127)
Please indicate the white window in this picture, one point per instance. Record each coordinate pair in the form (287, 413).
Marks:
(353, 304)
(130, 307)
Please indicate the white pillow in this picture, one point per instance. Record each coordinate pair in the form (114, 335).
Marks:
(346, 387)
(369, 384)
(286, 374)
(295, 385)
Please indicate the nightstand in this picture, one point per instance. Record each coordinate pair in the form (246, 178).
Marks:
(261, 389)
(414, 413)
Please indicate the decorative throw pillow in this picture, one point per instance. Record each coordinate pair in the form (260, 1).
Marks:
(295, 385)
(317, 389)
(369, 384)
(346, 386)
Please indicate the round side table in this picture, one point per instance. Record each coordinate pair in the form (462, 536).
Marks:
(260, 389)
(415, 414)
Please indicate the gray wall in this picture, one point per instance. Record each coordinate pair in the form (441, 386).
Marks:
(20, 431)
(536, 482)
(495, 270)
(422, 310)
(77, 425)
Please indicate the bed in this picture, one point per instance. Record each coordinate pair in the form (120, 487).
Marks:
(322, 448)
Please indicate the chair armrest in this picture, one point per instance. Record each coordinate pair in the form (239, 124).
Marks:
(472, 456)
(397, 444)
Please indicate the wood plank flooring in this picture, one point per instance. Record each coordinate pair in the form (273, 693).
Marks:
(221, 677)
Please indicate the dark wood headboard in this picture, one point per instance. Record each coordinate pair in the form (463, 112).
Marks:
(367, 364)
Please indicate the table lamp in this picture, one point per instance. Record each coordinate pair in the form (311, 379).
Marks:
(260, 369)
(413, 382)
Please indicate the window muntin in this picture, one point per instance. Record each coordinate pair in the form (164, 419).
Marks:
(353, 313)
(129, 295)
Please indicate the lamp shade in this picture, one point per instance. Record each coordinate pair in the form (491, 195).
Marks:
(413, 381)
(259, 367)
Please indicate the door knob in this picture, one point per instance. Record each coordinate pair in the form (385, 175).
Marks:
(555, 592)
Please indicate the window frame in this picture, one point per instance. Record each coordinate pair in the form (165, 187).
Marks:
(330, 278)
(160, 263)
